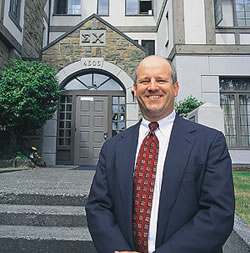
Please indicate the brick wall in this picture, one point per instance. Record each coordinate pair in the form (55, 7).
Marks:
(33, 28)
(4, 53)
(118, 50)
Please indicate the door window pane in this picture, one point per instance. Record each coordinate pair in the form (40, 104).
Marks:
(64, 130)
(103, 7)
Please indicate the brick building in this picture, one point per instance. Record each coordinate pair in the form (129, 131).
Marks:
(95, 46)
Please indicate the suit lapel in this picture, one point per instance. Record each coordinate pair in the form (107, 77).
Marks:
(126, 152)
(180, 145)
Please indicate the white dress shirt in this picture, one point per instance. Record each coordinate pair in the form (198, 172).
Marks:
(163, 135)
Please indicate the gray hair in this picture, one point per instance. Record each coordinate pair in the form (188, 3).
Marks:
(173, 71)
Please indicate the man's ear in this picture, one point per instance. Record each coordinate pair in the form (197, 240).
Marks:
(134, 90)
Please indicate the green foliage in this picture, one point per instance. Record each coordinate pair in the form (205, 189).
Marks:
(183, 107)
(28, 95)
(21, 156)
(242, 194)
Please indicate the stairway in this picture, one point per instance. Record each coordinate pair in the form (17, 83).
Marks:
(43, 223)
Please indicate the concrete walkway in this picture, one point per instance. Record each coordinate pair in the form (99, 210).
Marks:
(43, 210)
(63, 180)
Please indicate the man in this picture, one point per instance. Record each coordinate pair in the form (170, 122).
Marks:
(192, 198)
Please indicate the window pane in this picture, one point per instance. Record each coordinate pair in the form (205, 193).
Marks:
(242, 12)
(62, 107)
(244, 119)
(115, 108)
(61, 133)
(150, 46)
(68, 124)
(74, 7)
(86, 79)
(115, 100)
(110, 85)
(99, 79)
(228, 105)
(61, 124)
(69, 108)
(234, 84)
(145, 7)
(75, 85)
(61, 7)
(103, 7)
(132, 7)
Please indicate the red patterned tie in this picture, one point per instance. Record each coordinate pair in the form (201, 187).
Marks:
(144, 181)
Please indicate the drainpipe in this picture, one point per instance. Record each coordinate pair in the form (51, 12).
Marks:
(49, 22)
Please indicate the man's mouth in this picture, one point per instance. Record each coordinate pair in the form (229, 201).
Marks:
(153, 97)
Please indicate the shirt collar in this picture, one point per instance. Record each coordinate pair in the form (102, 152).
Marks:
(163, 123)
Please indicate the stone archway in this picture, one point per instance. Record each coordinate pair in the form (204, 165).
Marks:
(49, 150)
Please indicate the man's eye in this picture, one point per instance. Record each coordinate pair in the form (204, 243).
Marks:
(144, 81)
(162, 81)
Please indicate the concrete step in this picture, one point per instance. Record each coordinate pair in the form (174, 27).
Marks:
(42, 199)
(66, 216)
(33, 239)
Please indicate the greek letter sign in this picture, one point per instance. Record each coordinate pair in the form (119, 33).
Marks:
(94, 38)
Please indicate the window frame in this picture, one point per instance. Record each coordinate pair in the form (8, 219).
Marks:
(237, 94)
(98, 1)
(139, 13)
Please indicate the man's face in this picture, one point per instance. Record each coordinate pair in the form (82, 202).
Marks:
(154, 89)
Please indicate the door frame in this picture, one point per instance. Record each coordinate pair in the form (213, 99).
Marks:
(74, 94)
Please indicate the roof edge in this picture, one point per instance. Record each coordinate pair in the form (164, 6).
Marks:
(86, 20)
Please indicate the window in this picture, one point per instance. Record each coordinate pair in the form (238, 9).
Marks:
(65, 120)
(135, 7)
(72, 7)
(218, 14)
(149, 45)
(235, 101)
(242, 12)
(118, 114)
(93, 81)
(103, 7)
(14, 12)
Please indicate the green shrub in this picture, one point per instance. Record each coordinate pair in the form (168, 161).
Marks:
(183, 107)
(29, 96)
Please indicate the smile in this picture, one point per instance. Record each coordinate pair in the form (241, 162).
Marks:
(154, 96)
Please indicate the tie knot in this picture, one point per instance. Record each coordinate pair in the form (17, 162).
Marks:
(153, 126)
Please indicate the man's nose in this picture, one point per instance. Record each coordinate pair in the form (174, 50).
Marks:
(153, 85)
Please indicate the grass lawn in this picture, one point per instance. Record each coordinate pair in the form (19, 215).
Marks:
(242, 194)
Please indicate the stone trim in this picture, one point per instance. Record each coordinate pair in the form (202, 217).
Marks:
(211, 50)
(178, 22)
(210, 22)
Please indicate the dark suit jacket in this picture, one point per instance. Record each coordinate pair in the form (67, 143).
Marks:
(196, 207)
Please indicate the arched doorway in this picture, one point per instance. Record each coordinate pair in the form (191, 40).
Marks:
(92, 109)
